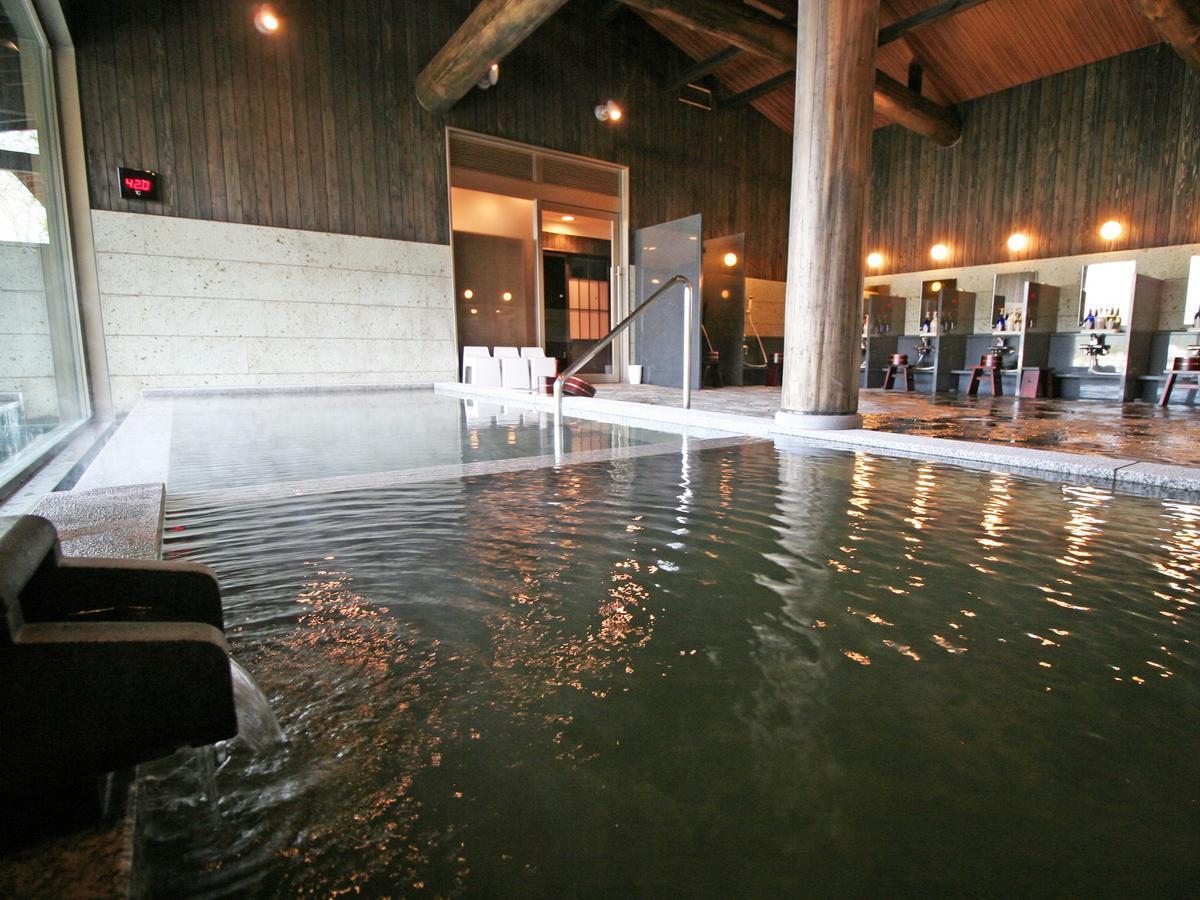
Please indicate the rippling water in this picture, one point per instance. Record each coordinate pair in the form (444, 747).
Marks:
(739, 672)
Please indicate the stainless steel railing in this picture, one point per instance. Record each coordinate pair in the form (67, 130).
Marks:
(583, 360)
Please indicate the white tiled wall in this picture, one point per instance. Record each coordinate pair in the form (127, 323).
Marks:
(26, 357)
(195, 303)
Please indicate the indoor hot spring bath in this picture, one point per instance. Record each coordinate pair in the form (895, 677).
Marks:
(749, 670)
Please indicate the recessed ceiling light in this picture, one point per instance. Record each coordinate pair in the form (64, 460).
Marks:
(875, 260)
(506, 296)
(1111, 230)
(1017, 242)
(468, 294)
(731, 258)
(568, 218)
(939, 252)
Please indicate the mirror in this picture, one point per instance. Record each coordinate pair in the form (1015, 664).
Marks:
(1191, 308)
(1106, 296)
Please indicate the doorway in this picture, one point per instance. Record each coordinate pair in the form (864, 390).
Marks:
(539, 243)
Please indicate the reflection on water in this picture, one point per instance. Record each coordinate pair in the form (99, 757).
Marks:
(732, 672)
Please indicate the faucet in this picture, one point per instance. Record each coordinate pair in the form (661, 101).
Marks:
(1000, 348)
(923, 348)
(1095, 348)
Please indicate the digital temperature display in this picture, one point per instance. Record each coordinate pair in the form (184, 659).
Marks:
(138, 184)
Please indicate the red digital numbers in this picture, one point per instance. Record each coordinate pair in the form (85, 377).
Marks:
(139, 184)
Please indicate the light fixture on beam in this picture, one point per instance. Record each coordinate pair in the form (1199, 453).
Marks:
(939, 252)
(609, 111)
(1111, 230)
(490, 77)
(266, 20)
(874, 260)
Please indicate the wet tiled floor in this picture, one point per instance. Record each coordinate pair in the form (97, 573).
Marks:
(1139, 431)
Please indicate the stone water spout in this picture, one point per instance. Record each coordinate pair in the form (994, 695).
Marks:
(103, 663)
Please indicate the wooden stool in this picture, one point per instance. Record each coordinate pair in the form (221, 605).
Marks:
(1172, 375)
(889, 380)
(993, 372)
(1035, 383)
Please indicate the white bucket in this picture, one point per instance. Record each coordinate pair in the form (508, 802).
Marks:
(635, 374)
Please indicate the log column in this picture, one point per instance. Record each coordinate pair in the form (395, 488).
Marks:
(831, 160)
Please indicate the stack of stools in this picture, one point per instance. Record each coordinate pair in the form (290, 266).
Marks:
(989, 365)
(1182, 367)
(898, 366)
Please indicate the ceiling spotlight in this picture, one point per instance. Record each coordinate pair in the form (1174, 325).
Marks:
(568, 218)
(731, 259)
(875, 260)
(609, 112)
(490, 77)
(1111, 230)
(468, 294)
(265, 20)
(1017, 242)
(506, 297)
(939, 252)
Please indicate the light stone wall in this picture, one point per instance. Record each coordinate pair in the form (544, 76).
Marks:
(189, 303)
(26, 355)
(1168, 264)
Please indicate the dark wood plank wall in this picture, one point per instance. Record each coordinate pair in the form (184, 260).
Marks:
(1054, 158)
(318, 127)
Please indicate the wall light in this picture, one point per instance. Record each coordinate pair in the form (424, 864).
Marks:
(731, 259)
(1017, 242)
(725, 294)
(490, 77)
(1111, 230)
(266, 20)
(939, 252)
(874, 260)
(936, 287)
(609, 112)
(506, 296)
(468, 294)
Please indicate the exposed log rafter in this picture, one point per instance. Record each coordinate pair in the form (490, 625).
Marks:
(692, 74)
(1178, 23)
(735, 101)
(738, 25)
(493, 30)
(936, 13)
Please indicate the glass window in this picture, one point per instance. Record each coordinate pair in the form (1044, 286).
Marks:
(42, 388)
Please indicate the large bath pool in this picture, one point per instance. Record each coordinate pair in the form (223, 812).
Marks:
(743, 671)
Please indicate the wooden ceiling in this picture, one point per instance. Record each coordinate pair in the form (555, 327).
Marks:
(987, 48)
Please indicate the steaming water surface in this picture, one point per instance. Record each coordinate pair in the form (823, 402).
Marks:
(733, 672)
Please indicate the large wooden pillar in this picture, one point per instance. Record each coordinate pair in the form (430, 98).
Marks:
(831, 163)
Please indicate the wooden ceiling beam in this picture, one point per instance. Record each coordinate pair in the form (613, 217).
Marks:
(1178, 23)
(935, 13)
(493, 30)
(736, 101)
(705, 67)
(737, 24)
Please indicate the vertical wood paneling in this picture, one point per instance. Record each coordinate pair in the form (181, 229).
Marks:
(319, 128)
(1115, 139)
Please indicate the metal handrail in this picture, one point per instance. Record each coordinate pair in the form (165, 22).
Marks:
(621, 326)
